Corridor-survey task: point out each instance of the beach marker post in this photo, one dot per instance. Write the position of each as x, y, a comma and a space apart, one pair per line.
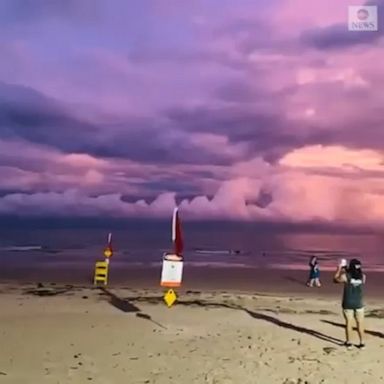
108, 251
170, 297
172, 269
102, 267
101, 272
171, 277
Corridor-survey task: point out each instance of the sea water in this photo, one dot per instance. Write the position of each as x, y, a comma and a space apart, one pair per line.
212, 245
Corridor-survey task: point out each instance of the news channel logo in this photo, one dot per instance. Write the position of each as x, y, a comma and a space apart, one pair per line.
362, 18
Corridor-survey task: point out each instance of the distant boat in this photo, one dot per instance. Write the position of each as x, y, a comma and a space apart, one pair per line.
177, 239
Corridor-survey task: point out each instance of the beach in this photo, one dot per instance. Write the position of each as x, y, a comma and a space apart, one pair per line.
58, 333
244, 317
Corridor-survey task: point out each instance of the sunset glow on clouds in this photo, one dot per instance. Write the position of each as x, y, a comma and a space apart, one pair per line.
264, 111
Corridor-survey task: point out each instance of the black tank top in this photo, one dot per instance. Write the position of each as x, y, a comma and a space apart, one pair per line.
353, 294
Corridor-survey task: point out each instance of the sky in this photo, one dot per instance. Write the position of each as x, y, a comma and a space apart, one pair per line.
254, 110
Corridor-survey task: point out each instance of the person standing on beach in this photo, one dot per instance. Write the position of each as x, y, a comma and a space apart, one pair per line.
353, 279
314, 273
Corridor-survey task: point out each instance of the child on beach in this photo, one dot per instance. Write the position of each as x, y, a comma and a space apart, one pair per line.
353, 279
314, 273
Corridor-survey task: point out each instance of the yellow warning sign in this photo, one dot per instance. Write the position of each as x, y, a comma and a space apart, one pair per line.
107, 253
170, 297
101, 272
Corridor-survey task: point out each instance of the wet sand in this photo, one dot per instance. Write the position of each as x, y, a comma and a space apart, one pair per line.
253, 280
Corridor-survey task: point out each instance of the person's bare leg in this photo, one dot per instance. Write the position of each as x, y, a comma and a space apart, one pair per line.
359, 316
348, 328
318, 284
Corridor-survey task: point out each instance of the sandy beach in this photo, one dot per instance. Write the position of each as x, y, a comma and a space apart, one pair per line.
55, 333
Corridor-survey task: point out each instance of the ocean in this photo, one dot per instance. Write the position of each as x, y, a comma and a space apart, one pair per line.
207, 245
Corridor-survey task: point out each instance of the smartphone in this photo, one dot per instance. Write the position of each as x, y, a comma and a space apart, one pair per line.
343, 263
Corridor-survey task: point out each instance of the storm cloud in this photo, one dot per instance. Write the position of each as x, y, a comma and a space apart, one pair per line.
264, 111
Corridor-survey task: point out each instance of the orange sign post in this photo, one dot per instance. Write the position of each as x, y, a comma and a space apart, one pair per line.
108, 251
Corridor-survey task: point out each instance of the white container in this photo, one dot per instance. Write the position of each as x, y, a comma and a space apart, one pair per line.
172, 272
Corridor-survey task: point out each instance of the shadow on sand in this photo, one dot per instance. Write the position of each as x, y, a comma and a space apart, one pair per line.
340, 325
43, 290
307, 331
126, 306
121, 304
295, 280
255, 315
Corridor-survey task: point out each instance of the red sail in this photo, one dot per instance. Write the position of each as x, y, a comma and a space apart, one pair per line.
177, 237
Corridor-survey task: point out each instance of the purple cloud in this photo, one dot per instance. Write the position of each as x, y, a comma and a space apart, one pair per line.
128, 108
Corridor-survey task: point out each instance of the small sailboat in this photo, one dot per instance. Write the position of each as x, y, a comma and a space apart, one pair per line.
177, 239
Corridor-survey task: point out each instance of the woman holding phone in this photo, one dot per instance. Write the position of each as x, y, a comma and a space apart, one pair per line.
353, 279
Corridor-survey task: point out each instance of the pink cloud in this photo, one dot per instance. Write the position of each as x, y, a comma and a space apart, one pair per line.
301, 184
14, 178
334, 157
298, 196
295, 15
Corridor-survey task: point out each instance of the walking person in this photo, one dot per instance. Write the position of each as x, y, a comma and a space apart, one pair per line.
314, 273
353, 279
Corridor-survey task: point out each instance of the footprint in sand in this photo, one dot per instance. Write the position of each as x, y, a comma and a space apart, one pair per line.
55, 369
83, 367
329, 350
